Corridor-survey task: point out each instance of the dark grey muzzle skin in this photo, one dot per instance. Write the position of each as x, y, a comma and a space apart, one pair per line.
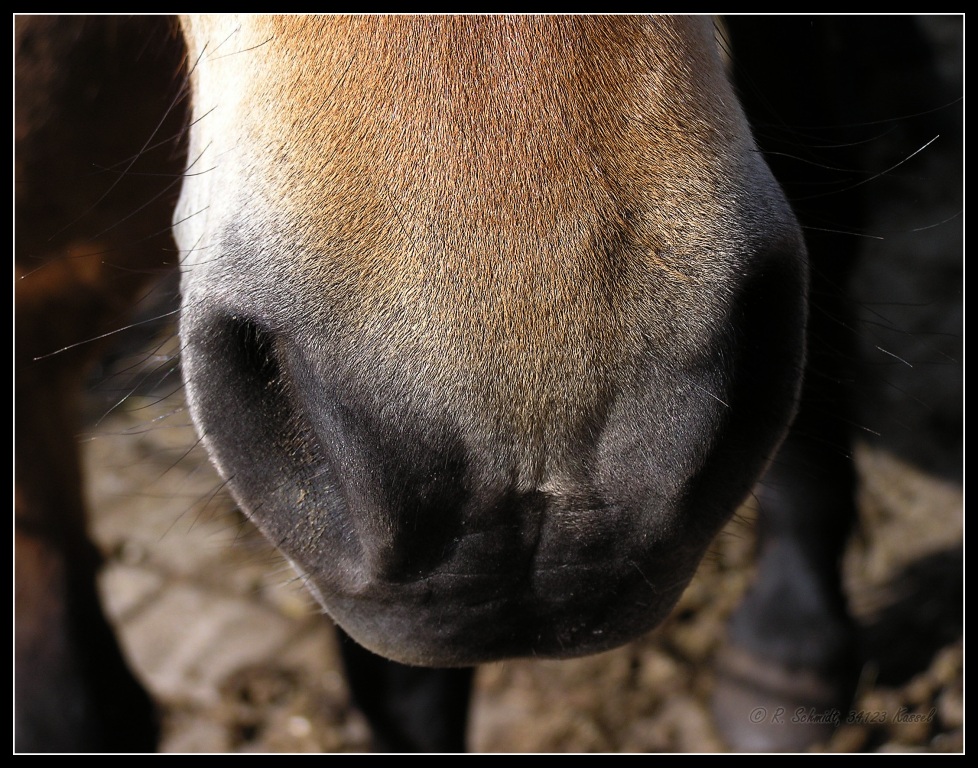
486, 425
411, 524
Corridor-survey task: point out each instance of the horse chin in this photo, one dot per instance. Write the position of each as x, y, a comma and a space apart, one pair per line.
453, 635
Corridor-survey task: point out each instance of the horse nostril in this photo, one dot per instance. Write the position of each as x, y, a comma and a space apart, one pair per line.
251, 349
242, 397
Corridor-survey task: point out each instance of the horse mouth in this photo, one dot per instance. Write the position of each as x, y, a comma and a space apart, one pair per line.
451, 618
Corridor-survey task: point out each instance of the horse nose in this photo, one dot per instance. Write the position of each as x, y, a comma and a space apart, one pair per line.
412, 503
491, 384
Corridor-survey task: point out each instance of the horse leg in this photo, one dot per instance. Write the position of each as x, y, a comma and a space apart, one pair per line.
94, 202
788, 674
410, 709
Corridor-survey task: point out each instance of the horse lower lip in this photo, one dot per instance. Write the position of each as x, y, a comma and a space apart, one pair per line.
450, 619
488, 633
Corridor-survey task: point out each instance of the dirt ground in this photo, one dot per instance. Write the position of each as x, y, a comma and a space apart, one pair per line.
241, 660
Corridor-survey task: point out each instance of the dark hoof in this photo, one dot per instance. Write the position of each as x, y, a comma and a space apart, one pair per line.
763, 706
